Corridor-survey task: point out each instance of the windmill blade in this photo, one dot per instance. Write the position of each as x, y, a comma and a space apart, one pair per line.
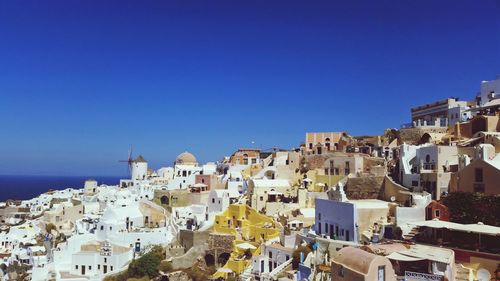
130, 154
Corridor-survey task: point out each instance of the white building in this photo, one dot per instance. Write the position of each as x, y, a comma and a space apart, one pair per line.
139, 169
95, 259
490, 90
220, 199
427, 167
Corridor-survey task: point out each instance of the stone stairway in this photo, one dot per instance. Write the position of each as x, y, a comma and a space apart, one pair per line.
273, 275
414, 231
247, 274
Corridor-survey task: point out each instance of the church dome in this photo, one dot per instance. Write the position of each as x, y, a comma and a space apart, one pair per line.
186, 158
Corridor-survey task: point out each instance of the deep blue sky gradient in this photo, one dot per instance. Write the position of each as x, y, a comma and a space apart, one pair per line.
80, 81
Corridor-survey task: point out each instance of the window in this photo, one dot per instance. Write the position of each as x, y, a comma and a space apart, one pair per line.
310, 145
414, 183
270, 254
98, 267
427, 158
478, 175
262, 198
437, 213
90, 267
76, 266
105, 260
213, 200
111, 268
102, 227
319, 216
381, 273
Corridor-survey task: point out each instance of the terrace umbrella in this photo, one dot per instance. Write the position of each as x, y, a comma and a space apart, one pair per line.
246, 246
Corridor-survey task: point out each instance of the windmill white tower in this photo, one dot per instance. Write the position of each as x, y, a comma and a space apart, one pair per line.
139, 168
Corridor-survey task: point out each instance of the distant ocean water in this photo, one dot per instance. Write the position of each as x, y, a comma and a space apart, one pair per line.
27, 187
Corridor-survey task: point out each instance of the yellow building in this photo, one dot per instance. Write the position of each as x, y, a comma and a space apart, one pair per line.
242, 221
250, 229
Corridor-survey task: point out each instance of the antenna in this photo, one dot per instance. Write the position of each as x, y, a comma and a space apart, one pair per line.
129, 160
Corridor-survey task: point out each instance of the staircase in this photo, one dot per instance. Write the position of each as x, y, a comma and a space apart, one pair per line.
273, 275
247, 274
413, 232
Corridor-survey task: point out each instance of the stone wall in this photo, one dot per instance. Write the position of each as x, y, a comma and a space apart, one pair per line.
316, 161
413, 135
189, 238
370, 187
219, 244
189, 258
178, 276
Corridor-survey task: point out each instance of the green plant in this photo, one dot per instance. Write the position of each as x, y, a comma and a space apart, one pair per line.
466, 207
165, 266
145, 265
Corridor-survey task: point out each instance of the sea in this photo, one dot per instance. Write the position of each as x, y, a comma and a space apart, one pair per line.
27, 187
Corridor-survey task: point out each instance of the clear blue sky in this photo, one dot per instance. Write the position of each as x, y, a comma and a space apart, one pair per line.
80, 81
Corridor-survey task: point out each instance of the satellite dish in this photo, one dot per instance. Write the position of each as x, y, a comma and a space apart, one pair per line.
483, 275
393, 198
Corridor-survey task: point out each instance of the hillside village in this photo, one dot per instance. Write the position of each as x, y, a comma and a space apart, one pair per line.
420, 202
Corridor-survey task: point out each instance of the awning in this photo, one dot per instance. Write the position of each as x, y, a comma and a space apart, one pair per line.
225, 270
246, 246
399, 257
478, 228
199, 185
469, 141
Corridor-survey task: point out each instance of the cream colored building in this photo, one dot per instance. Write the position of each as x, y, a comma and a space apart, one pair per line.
353, 264
64, 215
319, 143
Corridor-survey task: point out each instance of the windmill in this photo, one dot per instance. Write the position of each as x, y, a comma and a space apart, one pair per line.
129, 160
